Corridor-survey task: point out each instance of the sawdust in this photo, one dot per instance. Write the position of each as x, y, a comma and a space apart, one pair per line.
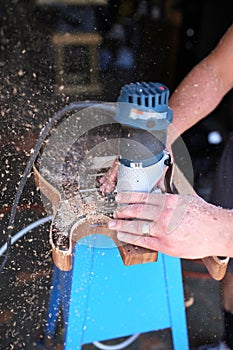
72, 173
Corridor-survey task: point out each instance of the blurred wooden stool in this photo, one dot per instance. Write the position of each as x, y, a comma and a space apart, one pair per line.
76, 63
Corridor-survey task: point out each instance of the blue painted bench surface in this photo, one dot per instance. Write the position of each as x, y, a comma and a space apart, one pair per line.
103, 299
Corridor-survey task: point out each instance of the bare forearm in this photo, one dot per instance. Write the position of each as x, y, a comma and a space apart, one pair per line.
213, 224
203, 88
196, 97
225, 232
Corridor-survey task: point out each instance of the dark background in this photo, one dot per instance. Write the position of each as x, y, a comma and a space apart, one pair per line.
162, 40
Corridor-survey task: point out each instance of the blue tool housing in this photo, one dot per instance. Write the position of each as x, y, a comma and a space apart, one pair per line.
144, 105
144, 116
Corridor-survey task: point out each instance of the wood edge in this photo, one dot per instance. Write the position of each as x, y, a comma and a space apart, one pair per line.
49, 191
130, 254
216, 268
62, 260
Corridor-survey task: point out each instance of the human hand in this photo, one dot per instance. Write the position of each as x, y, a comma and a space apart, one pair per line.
165, 183
108, 181
184, 226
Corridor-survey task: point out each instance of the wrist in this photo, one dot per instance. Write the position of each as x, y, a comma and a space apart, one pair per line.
224, 226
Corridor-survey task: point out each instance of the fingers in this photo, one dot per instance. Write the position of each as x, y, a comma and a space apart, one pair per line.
141, 241
140, 197
107, 187
161, 184
165, 213
136, 227
139, 211
108, 181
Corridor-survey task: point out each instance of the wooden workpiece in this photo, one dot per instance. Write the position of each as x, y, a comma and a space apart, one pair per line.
130, 254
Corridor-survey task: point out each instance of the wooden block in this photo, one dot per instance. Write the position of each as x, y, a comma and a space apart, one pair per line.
131, 255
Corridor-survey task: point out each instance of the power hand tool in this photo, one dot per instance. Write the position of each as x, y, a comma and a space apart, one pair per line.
137, 124
144, 115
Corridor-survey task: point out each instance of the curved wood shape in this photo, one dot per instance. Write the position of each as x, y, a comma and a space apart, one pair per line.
216, 267
130, 254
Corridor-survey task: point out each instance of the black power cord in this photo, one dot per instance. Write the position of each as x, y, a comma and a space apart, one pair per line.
44, 133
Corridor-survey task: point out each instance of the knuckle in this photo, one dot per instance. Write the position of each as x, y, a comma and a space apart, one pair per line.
138, 209
133, 226
153, 228
138, 226
143, 197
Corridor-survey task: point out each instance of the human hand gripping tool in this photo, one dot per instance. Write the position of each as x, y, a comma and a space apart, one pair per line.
141, 117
